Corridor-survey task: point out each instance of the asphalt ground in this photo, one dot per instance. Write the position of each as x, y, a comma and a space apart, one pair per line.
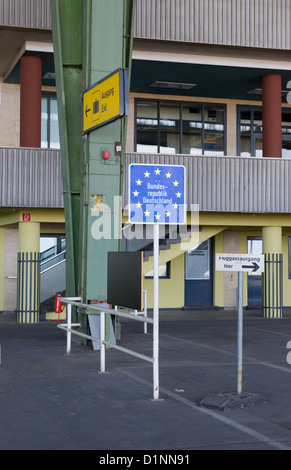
53, 401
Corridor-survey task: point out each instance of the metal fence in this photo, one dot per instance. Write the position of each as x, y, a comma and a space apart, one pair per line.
102, 311
272, 282
28, 292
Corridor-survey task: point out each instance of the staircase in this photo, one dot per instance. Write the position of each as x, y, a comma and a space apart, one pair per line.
170, 248
52, 276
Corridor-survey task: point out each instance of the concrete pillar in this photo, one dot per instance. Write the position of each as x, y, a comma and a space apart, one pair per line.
273, 274
272, 115
30, 101
28, 286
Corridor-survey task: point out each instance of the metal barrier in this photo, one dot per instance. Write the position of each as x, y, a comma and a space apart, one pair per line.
138, 316
28, 281
273, 285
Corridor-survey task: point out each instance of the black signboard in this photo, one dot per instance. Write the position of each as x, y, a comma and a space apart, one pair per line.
125, 279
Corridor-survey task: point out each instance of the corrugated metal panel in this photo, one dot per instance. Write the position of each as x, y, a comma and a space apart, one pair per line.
33, 14
228, 184
248, 23
30, 178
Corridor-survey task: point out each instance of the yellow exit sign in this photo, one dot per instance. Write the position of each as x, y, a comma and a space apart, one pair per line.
105, 101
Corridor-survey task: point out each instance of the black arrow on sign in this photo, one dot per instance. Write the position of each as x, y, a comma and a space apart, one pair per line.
87, 110
254, 266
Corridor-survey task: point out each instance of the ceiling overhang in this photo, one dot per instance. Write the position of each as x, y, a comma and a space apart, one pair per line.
41, 49
226, 73
216, 72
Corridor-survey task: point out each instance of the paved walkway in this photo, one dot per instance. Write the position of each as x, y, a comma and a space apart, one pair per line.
53, 401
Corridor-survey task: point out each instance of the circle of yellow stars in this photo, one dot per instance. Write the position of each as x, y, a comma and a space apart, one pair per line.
139, 183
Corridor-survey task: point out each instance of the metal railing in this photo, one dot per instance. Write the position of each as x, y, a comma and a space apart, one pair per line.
102, 311
28, 280
227, 183
30, 177
272, 283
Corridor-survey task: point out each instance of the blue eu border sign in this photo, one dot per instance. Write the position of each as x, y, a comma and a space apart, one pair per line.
157, 194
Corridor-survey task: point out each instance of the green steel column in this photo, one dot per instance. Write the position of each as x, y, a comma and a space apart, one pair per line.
92, 38
67, 26
108, 47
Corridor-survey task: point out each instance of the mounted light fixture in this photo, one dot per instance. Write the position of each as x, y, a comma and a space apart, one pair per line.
258, 91
49, 76
255, 91
175, 85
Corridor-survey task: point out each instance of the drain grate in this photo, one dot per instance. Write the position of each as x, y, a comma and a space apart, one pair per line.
231, 400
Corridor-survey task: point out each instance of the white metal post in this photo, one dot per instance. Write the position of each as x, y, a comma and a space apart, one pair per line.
145, 309
156, 314
240, 332
102, 339
69, 326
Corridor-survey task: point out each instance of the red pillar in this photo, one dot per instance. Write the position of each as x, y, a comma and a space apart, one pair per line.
272, 115
30, 101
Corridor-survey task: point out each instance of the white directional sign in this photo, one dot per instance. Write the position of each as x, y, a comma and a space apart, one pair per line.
244, 263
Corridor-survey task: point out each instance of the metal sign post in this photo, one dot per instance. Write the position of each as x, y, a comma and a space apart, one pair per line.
156, 315
240, 331
240, 263
157, 196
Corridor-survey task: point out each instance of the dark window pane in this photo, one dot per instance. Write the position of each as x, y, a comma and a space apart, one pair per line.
54, 125
44, 123
147, 127
169, 128
245, 133
213, 130
192, 129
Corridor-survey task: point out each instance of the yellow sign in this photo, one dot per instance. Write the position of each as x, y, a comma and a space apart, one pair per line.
105, 101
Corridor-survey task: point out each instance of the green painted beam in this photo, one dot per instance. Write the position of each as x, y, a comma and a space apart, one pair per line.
92, 38
108, 46
67, 26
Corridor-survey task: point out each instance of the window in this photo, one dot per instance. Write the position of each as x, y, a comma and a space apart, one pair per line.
198, 262
172, 127
49, 122
250, 125
51, 245
164, 272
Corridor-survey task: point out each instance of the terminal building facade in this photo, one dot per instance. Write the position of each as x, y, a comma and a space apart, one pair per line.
209, 90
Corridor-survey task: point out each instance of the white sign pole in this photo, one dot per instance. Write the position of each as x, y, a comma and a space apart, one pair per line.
156, 314
157, 195
240, 332
239, 263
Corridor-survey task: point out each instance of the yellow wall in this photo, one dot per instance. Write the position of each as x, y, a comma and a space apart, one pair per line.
15, 236
171, 291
